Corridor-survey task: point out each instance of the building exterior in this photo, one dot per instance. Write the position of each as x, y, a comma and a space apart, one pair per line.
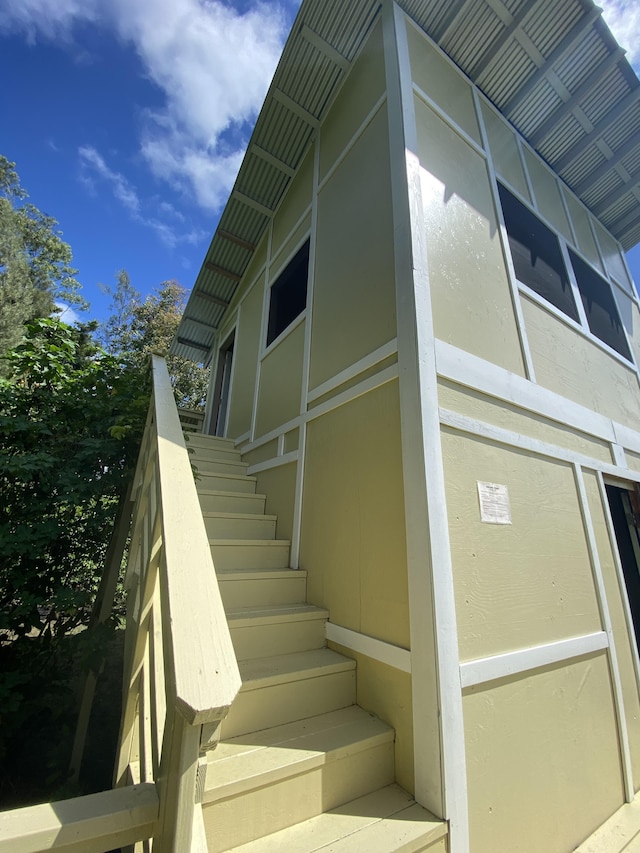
425, 342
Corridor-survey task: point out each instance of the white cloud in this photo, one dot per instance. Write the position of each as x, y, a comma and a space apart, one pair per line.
213, 63
94, 169
623, 19
67, 314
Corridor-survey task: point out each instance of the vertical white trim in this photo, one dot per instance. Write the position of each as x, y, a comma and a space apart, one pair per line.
306, 362
208, 406
504, 243
603, 606
573, 283
263, 330
619, 456
437, 715
622, 586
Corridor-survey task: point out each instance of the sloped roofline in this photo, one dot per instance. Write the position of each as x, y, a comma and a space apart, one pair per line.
551, 67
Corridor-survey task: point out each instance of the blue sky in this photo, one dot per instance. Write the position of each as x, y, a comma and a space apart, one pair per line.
127, 120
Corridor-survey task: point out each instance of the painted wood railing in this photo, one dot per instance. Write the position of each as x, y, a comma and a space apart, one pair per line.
181, 674
180, 671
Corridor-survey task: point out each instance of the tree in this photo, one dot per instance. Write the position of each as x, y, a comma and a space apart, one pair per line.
71, 419
35, 262
137, 328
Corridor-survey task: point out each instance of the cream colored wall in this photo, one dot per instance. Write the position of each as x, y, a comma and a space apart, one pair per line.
245, 356
353, 539
296, 202
354, 308
364, 86
543, 765
570, 364
280, 387
386, 692
470, 293
473, 404
279, 485
540, 745
523, 584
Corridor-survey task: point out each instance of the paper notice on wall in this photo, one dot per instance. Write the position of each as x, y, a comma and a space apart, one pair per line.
494, 503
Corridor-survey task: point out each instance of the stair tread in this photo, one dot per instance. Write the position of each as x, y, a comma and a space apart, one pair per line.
279, 669
280, 543
227, 475
259, 574
253, 760
221, 493
251, 516
275, 613
386, 820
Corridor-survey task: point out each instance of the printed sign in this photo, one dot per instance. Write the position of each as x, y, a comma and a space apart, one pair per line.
494, 503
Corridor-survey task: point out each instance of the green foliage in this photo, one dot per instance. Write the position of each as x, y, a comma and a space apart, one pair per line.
137, 328
71, 419
35, 262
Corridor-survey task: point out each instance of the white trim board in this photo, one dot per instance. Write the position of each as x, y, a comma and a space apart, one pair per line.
369, 361
484, 670
275, 462
468, 370
379, 650
462, 423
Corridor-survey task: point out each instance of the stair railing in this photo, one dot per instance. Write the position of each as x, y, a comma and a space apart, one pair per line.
180, 670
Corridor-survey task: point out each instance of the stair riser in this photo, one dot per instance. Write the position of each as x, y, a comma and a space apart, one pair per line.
199, 440
279, 638
246, 593
247, 556
296, 798
224, 483
240, 528
215, 466
274, 705
201, 454
233, 503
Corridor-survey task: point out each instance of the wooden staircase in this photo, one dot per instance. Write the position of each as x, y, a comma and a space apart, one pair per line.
300, 766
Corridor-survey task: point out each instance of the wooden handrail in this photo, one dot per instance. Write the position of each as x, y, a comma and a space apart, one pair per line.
181, 674
94, 823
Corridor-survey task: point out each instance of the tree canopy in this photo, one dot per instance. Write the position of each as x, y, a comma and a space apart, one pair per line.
138, 327
35, 262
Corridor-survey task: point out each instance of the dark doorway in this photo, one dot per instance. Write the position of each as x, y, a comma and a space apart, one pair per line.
222, 387
625, 512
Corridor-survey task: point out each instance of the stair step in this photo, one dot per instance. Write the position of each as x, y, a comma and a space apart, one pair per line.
220, 501
289, 773
223, 454
208, 481
236, 525
385, 821
284, 688
250, 553
199, 439
262, 586
269, 630
218, 466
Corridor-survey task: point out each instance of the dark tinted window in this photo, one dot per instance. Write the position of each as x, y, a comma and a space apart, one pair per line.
288, 297
600, 306
536, 255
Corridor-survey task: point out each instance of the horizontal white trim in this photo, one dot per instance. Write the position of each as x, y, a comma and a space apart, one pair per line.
275, 343
461, 423
448, 120
375, 109
386, 653
354, 369
523, 660
468, 370
276, 462
368, 384
628, 438
273, 434
244, 437
586, 333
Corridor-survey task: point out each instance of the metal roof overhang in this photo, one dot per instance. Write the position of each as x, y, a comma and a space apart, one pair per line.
551, 67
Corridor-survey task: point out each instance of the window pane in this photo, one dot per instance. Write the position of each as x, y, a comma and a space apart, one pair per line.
288, 297
600, 307
536, 255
